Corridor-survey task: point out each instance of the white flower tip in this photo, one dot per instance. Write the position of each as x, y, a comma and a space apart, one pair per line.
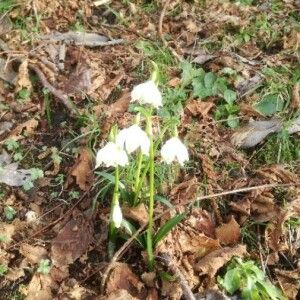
147, 93
117, 215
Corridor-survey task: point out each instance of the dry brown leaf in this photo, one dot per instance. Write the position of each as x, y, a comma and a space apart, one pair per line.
118, 295
7, 231
198, 107
122, 278
40, 287
22, 80
174, 82
34, 254
229, 234
138, 213
293, 42
289, 282
121, 105
212, 262
72, 240
295, 98
82, 170
16, 133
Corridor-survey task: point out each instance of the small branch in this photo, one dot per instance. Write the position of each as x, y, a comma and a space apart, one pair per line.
160, 32
62, 97
123, 249
168, 262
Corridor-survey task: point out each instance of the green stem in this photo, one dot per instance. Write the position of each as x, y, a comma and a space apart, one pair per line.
156, 144
137, 178
112, 228
151, 196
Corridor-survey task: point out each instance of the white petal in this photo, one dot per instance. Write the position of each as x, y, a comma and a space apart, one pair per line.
147, 93
111, 156
117, 215
174, 149
132, 138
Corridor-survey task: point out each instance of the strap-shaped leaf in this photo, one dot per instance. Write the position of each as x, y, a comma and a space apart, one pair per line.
161, 233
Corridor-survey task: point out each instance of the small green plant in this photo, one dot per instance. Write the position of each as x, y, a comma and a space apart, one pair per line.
9, 212
11, 144
249, 280
36, 173
209, 85
3, 269
74, 194
44, 266
23, 95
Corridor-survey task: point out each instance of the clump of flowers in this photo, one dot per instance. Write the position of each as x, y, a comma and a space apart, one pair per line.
137, 143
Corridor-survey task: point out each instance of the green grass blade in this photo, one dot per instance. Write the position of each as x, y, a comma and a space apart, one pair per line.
161, 233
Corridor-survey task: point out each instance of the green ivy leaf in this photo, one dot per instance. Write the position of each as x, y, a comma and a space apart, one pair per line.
209, 80
269, 105
232, 281
233, 121
230, 96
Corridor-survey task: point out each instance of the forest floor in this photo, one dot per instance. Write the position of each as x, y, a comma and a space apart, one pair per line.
229, 75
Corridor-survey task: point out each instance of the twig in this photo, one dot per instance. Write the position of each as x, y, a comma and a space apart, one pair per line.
160, 32
49, 225
122, 250
168, 262
62, 97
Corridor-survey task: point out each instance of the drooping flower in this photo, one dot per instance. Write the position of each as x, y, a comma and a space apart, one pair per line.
111, 155
174, 149
133, 138
147, 93
116, 216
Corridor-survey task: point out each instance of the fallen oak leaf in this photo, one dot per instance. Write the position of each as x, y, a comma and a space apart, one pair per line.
82, 170
16, 133
229, 233
212, 262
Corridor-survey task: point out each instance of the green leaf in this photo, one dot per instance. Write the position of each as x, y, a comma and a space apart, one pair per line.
111, 179
131, 230
209, 80
24, 93
163, 200
161, 233
44, 266
36, 173
230, 96
270, 104
9, 212
232, 108
232, 281
3, 269
166, 276
233, 121
272, 291
220, 86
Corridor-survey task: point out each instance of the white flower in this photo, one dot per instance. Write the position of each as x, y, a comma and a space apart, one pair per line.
116, 215
132, 138
147, 93
174, 149
111, 155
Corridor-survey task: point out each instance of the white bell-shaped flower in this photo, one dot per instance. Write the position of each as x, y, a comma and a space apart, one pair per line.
116, 216
147, 93
173, 150
111, 155
133, 138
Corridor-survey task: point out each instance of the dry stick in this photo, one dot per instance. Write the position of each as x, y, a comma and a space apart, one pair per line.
62, 97
51, 224
160, 32
168, 262
122, 250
